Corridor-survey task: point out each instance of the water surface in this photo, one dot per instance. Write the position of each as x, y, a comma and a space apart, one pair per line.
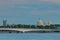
30, 36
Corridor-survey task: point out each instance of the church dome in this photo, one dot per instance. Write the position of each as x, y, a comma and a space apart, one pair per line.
40, 22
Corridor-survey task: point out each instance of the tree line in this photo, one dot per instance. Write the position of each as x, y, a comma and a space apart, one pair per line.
32, 26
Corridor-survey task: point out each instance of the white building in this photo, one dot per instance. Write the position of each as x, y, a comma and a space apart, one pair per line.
49, 23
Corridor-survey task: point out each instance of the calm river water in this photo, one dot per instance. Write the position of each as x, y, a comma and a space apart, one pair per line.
30, 36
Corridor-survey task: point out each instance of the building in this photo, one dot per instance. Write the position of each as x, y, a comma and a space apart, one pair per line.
40, 23
48, 23
4, 22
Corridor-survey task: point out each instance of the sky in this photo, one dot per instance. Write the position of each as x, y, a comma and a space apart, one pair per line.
29, 11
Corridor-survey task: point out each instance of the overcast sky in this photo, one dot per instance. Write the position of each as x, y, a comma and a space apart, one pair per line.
29, 11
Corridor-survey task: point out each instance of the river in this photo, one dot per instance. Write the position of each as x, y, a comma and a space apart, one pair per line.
29, 36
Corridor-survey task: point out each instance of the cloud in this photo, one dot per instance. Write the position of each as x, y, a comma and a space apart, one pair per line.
26, 1
54, 1
21, 7
32, 1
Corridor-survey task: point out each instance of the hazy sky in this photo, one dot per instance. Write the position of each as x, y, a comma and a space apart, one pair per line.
29, 11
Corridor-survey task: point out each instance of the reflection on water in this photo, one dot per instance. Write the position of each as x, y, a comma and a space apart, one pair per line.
30, 36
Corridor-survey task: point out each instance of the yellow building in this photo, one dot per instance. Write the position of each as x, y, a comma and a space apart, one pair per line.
40, 23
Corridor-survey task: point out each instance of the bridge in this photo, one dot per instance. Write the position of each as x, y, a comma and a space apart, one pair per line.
29, 30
